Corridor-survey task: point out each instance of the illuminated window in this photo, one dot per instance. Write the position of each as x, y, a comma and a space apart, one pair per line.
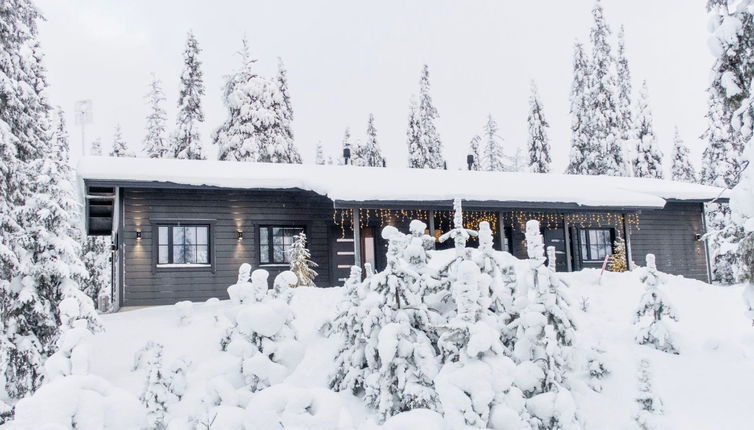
274, 243
596, 244
182, 244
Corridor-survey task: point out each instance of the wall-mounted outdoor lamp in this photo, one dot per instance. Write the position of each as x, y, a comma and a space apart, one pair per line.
138, 235
239, 235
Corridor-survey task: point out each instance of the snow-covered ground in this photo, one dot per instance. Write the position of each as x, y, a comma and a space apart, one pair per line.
703, 387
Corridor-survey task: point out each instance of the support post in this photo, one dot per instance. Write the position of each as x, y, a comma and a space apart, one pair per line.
501, 231
567, 231
627, 239
431, 223
356, 237
706, 244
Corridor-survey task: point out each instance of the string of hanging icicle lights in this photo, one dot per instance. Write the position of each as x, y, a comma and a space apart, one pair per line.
516, 220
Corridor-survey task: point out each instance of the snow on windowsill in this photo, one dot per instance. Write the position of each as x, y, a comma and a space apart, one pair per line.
182, 266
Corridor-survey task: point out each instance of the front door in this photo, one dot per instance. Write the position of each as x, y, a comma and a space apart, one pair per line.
556, 238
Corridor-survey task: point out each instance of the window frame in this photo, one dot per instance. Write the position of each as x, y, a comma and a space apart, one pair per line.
182, 267
270, 248
586, 244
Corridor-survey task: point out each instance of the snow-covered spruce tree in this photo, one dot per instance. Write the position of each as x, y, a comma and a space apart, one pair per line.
350, 361
417, 153
186, 141
95, 255
654, 308
682, 169
584, 156
625, 105
370, 153
602, 106
291, 153
156, 393
238, 139
474, 153
429, 152
742, 206
539, 144
544, 331
648, 158
155, 143
400, 355
459, 233
319, 155
492, 149
96, 147
301, 262
120, 147
28, 316
648, 403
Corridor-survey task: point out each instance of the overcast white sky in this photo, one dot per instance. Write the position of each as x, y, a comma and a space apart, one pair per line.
348, 58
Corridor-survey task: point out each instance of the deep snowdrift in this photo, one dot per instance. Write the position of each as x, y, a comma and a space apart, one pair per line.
705, 386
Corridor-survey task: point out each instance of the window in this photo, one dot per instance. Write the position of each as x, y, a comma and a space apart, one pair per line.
596, 244
274, 243
183, 245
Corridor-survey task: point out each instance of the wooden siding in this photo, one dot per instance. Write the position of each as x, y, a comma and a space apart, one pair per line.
227, 211
670, 234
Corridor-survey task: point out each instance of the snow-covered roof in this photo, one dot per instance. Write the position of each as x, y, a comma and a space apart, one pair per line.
378, 184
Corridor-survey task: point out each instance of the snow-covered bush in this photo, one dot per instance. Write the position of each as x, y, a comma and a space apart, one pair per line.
649, 404
163, 386
653, 310
185, 310
301, 263
281, 287
262, 336
242, 290
97, 282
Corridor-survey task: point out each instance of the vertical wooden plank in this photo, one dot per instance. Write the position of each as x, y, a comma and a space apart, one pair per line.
627, 237
356, 238
501, 231
431, 223
706, 246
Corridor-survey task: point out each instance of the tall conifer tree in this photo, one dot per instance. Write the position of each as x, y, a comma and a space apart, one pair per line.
120, 147
492, 149
648, 158
625, 107
584, 154
186, 142
682, 170
291, 154
425, 147
539, 144
155, 142
370, 153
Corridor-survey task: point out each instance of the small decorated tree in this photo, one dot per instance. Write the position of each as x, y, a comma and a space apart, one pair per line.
301, 263
618, 261
653, 311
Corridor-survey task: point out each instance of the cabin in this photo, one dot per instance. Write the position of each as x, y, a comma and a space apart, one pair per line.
180, 229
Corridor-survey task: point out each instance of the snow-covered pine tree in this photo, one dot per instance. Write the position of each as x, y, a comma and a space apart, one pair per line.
429, 137
539, 144
729, 110
24, 135
418, 154
370, 153
602, 105
625, 105
120, 147
186, 141
654, 308
319, 155
350, 361
96, 259
492, 150
291, 153
401, 357
682, 170
648, 158
155, 143
156, 393
238, 138
648, 403
301, 263
544, 332
474, 152
584, 155
96, 147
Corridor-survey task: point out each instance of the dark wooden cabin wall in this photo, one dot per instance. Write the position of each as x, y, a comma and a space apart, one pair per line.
670, 234
231, 211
